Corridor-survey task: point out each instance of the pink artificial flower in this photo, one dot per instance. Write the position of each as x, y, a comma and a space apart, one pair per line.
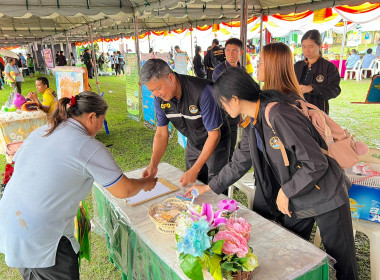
239, 225
215, 219
228, 204
234, 243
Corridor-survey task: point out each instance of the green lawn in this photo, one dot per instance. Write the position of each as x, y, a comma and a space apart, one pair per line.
132, 146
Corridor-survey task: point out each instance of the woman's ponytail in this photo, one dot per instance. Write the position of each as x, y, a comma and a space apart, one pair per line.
85, 102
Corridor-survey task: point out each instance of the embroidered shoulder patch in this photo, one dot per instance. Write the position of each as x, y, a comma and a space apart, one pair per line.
193, 109
319, 78
275, 143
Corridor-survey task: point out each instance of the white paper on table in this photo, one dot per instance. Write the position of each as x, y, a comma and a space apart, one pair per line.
158, 190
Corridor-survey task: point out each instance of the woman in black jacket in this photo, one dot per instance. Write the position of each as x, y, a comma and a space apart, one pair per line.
319, 79
199, 68
311, 187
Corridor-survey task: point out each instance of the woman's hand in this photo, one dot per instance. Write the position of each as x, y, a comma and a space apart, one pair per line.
201, 189
283, 203
148, 183
306, 89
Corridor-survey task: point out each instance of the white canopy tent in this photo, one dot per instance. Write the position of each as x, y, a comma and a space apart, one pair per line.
26, 21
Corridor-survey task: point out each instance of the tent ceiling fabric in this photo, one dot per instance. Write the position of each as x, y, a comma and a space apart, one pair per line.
26, 21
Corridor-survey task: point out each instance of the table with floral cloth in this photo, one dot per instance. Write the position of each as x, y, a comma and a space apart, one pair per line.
17, 126
141, 252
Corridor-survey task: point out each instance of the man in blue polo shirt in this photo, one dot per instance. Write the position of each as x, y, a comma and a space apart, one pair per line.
233, 50
188, 103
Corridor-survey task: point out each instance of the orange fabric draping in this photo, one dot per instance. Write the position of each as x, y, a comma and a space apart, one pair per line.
215, 27
10, 48
293, 16
323, 15
204, 27
142, 36
364, 8
179, 31
236, 23
158, 33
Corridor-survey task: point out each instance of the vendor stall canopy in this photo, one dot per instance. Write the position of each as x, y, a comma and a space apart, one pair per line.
26, 21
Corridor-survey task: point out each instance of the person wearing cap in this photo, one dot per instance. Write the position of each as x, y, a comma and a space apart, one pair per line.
49, 97
187, 102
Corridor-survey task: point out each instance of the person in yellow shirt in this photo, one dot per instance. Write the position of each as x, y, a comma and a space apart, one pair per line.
49, 97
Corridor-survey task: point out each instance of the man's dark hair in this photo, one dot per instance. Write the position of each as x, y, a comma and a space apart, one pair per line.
43, 80
61, 52
234, 41
216, 42
369, 51
154, 68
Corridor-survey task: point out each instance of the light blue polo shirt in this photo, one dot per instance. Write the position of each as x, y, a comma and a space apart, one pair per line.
52, 175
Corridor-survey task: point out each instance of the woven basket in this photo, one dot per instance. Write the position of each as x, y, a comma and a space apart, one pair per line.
241, 275
166, 228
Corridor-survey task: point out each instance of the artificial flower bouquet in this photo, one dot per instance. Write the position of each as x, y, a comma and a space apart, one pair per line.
214, 241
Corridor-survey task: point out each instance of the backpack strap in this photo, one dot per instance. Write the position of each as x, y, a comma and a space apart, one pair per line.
282, 147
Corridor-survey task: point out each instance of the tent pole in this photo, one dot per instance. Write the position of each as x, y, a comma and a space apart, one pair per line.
43, 57
149, 39
261, 31
191, 46
35, 53
68, 55
52, 50
94, 57
137, 45
343, 44
243, 30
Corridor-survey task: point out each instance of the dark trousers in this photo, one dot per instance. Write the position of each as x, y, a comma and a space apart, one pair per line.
336, 232
213, 165
90, 70
65, 268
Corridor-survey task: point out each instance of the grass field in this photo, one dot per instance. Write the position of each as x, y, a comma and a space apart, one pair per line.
132, 146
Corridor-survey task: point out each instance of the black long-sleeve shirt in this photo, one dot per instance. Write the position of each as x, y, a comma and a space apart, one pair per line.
325, 82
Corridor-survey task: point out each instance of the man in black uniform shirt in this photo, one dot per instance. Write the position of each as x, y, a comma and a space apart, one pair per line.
188, 103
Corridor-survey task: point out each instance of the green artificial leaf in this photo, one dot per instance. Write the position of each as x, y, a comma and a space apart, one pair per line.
191, 267
217, 247
204, 260
176, 238
181, 256
229, 266
215, 268
242, 260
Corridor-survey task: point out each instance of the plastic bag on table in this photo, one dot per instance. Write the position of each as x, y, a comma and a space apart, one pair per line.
82, 232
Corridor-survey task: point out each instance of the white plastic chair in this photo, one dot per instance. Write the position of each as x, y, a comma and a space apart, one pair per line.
371, 67
247, 185
355, 70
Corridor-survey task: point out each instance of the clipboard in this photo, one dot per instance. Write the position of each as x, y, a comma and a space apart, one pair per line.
147, 196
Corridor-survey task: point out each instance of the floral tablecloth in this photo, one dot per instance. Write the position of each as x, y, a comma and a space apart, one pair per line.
141, 252
17, 126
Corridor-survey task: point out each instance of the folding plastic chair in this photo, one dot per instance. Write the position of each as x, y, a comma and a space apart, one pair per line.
355, 69
371, 67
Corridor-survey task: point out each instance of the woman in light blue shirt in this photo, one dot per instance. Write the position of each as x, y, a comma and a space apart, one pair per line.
352, 59
54, 170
